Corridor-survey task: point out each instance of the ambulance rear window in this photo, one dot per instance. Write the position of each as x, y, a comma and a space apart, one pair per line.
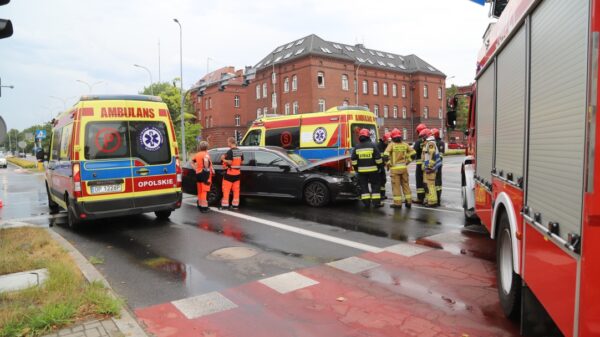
106, 140
150, 142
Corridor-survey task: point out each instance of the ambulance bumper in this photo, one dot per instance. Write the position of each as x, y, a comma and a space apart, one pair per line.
126, 206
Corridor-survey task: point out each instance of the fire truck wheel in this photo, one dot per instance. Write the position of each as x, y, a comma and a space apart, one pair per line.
509, 283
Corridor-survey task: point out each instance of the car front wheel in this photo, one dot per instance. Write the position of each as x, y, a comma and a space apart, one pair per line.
316, 194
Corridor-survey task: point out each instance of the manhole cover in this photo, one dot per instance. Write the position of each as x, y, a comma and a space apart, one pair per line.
232, 253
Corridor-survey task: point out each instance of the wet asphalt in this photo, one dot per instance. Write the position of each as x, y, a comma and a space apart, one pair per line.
149, 261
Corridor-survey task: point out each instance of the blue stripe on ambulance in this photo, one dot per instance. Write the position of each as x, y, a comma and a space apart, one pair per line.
318, 154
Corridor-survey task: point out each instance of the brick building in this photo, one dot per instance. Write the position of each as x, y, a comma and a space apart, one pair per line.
311, 75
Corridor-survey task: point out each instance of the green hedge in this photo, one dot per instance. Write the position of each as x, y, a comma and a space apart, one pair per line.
454, 152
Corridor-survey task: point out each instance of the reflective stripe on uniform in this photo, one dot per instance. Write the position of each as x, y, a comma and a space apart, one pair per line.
366, 169
382, 189
378, 161
355, 162
398, 198
419, 162
376, 196
420, 190
438, 188
365, 196
398, 167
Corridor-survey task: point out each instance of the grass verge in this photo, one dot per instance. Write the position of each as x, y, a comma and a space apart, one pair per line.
65, 298
454, 152
24, 163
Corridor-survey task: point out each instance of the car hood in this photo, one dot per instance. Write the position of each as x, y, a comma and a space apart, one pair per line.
324, 162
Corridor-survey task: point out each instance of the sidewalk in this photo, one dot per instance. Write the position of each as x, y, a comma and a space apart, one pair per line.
105, 328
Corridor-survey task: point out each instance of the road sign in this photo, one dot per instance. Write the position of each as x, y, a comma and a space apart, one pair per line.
40, 134
29, 136
22, 144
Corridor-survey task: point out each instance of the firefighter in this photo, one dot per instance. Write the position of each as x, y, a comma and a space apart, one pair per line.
431, 162
232, 161
441, 145
204, 172
381, 146
367, 161
418, 146
399, 154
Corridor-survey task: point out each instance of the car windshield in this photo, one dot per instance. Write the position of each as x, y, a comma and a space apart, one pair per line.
300, 161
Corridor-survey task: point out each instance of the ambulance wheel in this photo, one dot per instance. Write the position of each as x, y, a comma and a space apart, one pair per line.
163, 215
72, 220
509, 283
54, 208
316, 194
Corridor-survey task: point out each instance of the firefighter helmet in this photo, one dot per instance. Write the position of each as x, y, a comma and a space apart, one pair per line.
421, 127
425, 133
386, 136
435, 132
364, 133
396, 133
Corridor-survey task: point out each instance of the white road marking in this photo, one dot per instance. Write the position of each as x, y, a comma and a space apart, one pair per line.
353, 265
288, 282
407, 250
202, 305
35, 218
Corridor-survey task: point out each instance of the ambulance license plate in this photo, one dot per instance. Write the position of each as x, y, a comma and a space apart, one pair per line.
100, 189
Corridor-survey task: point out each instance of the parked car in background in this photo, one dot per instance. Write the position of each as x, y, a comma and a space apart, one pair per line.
275, 172
22, 155
456, 146
3, 162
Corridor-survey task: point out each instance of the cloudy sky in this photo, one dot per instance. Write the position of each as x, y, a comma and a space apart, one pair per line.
58, 42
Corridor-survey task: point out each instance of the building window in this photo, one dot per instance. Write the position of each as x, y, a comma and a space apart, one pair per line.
439, 92
385, 111
287, 109
395, 111
426, 112
321, 79
273, 101
440, 112
404, 133
206, 122
345, 103
367, 106
273, 78
345, 82
238, 120
210, 123
385, 89
294, 83
376, 110
236, 101
258, 91
403, 112
206, 103
286, 85
321, 105
258, 113
210, 102
403, 91
295, 108
375, 88
425, 91
265, 111
365, 87
264, 94
395, 90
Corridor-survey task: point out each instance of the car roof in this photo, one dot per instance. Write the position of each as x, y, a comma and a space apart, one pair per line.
253, 148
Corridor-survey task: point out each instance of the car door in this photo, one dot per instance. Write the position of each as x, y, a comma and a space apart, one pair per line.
275, 175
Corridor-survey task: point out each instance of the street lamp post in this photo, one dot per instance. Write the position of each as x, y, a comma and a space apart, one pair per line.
64, 101
90, 86
149, 74
181, 115
5, 86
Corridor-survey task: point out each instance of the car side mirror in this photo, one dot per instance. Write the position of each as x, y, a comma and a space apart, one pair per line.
285, 167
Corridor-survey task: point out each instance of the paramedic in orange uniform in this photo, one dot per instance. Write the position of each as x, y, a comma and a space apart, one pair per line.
232, 161
204, 172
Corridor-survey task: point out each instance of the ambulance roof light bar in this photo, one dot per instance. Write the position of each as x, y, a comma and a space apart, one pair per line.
146, 98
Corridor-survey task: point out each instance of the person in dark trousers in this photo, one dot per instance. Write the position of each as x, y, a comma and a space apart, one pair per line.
381, 146
367, 162
441, 145
418, 148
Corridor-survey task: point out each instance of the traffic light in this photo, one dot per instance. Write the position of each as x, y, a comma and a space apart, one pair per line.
6, 28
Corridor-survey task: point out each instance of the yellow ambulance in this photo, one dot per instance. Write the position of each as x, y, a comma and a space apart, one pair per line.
314, 136
113, 155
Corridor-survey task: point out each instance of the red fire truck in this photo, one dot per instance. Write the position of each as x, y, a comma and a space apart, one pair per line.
530, 174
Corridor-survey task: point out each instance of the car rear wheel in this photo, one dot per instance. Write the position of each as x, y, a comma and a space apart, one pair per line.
163, 215
54, 208
509, 283
316, 194
214, 195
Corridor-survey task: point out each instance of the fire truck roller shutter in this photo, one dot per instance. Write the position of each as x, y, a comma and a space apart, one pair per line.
485, 124
557, 112
510, 115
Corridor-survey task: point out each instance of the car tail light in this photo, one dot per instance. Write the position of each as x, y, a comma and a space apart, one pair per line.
178, 171
76, 181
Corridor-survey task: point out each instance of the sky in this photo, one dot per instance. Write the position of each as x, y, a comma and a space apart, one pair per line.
56, 44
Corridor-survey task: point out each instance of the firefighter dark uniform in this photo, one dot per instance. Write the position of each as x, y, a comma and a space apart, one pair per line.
367, 162
418, 147
232, 161
381, 146
431, 164
441, 146
399, 154
204, 173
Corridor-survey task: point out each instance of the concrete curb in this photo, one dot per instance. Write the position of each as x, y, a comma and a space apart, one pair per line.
127, 324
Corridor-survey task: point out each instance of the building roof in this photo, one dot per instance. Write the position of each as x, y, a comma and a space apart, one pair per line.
314, 45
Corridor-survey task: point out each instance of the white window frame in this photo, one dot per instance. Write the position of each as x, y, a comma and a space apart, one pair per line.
294, 82
394, 90
345, 82
238, 120
286, 109
440, 112
440, 93
425, 91
386, 111
404, 112
376, 110
274, 100
375, 88
258, 113
395, 111
236, 101
258, 91
345, 103
404, 91
385, 88
365, 87
295, 108
286, 84
265, 111
321, 75
273, 77
321, 105
426, 112
264, 90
